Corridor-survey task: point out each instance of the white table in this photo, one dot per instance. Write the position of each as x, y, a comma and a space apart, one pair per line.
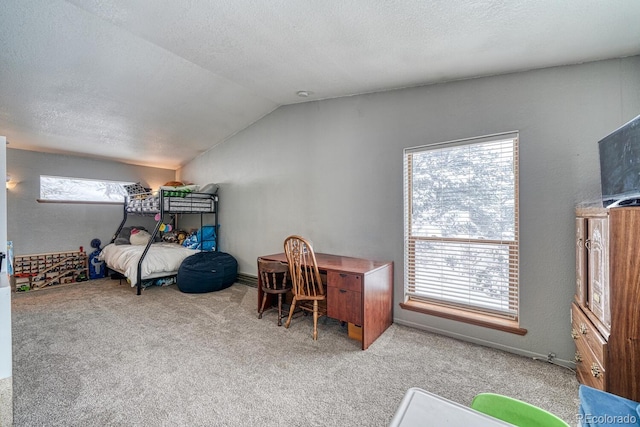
419, 408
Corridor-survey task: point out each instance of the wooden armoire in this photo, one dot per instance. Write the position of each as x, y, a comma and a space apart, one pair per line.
605, 315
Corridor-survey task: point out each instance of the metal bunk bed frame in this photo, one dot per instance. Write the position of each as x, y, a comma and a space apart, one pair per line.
183, 204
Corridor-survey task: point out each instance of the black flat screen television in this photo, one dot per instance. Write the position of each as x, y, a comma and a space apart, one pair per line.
620, 165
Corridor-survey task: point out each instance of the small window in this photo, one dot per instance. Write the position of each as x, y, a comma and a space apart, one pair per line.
80, 190
461, 227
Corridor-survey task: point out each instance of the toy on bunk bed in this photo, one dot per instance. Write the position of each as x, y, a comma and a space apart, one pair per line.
175, 236
139, 237
203, 239
96, 266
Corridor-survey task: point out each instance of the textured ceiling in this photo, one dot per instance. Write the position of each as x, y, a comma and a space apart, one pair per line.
156, 82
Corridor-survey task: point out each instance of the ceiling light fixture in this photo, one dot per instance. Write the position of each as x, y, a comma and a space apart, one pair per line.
303, 93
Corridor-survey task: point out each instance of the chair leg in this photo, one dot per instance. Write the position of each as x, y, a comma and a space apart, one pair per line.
279, 309
264, 300
315, 319
293, 307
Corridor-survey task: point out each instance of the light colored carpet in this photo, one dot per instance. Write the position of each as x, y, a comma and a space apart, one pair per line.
95, 354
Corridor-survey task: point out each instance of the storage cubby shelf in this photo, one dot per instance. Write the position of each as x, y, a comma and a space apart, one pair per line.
38, 271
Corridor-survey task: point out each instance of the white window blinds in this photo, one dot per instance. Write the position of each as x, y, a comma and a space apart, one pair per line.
461, 224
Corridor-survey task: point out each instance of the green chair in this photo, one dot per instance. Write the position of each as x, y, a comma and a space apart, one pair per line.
515, 411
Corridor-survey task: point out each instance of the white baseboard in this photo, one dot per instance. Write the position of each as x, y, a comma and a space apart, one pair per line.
536, 356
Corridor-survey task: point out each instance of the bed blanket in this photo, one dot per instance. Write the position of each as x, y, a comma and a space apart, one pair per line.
162, 259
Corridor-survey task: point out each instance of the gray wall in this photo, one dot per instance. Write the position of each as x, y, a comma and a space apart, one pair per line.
332, 171
53, 227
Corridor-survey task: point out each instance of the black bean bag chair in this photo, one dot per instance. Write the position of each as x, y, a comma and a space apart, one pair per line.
207, 272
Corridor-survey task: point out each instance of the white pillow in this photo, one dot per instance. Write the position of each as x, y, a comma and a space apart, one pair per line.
209, 189
139, 237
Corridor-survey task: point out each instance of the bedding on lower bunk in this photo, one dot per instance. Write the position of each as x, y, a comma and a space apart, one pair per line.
163, 259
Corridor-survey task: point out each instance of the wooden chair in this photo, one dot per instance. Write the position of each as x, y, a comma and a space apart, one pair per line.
308, 289
273, 276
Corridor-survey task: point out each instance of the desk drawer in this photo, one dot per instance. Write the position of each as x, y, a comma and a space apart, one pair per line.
344, 297
347, 281
344, 305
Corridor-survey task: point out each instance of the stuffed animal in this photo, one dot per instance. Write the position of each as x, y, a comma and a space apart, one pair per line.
174, 236
139, 237
170, 237
182, 235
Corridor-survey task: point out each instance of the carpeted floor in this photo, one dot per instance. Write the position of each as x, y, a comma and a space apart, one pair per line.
95, 354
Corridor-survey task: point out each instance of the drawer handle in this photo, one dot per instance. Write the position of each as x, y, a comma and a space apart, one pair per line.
574, 334
343, 291
343, 275
595, 370
587, 244
577, 357
583, 329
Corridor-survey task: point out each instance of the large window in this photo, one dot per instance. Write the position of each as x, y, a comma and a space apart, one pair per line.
79, 190
461, 226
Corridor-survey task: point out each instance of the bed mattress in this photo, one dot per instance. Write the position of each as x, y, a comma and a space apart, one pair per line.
163, 259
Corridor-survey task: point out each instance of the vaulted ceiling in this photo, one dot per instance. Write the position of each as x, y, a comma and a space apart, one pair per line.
156, 82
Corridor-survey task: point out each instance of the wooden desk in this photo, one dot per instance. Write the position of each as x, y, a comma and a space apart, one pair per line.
359, 291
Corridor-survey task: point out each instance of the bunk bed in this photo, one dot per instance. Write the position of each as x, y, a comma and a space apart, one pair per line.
158, 259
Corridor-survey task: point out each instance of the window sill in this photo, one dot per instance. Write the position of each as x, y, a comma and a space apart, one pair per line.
478, 319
